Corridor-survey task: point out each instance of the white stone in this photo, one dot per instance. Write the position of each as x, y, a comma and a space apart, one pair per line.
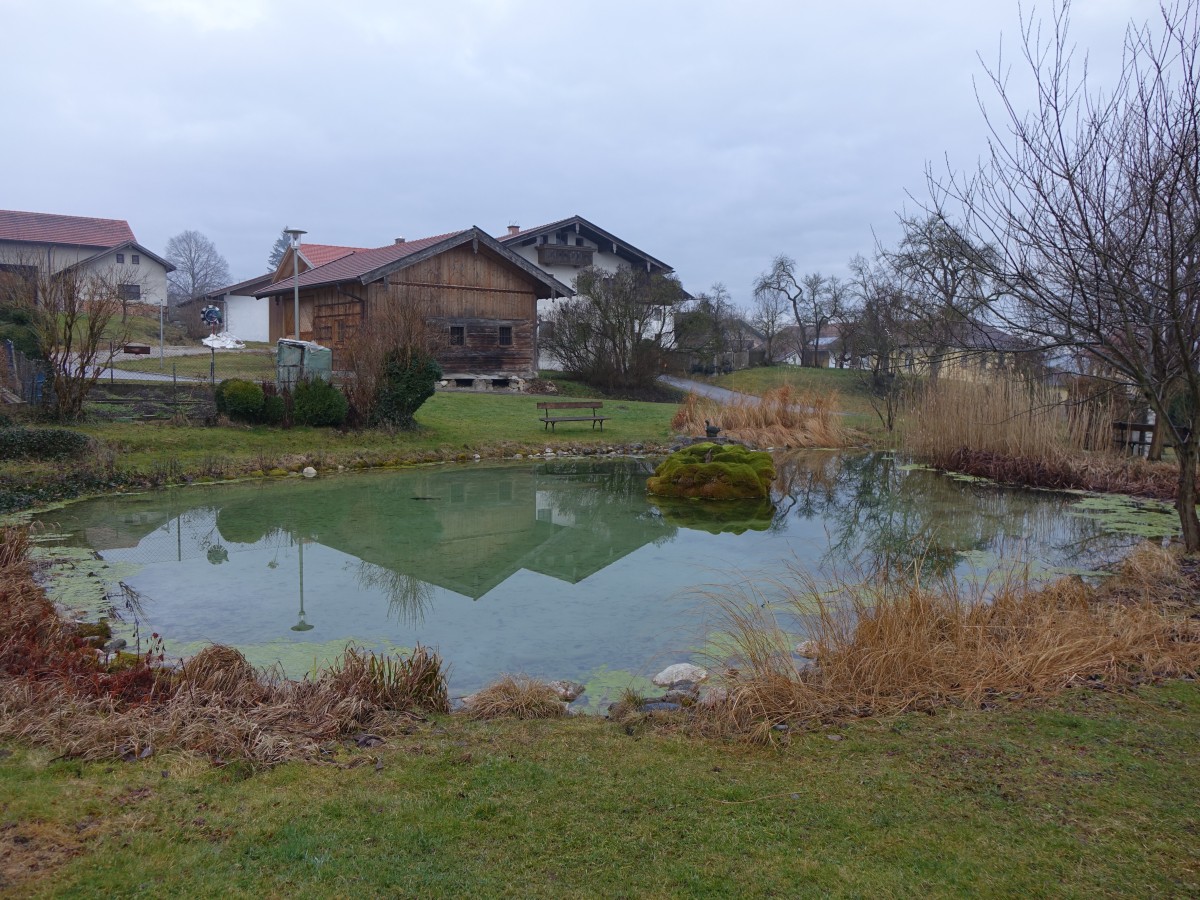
476, 456
713, 696
567, 690
807, 649
672, 675
310, 472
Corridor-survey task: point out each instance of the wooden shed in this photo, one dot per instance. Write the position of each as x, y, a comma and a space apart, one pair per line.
480, 300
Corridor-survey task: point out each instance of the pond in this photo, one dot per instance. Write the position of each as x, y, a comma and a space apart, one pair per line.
560, 568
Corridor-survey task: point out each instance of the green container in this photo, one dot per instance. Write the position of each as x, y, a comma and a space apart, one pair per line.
301, 359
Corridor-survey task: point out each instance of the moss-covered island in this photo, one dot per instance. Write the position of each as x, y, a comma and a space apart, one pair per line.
710, 471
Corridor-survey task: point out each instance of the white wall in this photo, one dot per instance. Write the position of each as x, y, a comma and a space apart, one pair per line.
247, 318
148, 274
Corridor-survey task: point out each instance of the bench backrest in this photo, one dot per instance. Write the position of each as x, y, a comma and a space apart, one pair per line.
574, 404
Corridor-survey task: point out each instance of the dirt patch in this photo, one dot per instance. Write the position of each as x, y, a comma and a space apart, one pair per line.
30, 851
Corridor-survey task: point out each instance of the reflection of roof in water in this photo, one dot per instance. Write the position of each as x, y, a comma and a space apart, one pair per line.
463, 529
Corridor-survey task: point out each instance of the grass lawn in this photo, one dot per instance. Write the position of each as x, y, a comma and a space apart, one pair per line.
452, 425
1091, 795
253, 365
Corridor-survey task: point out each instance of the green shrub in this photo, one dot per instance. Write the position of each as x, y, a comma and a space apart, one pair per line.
714, 472
219, 394
243, 400
408, 381
274, 410
318, 403
42, 443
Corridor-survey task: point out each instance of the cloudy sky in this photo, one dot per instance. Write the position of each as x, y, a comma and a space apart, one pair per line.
713, 135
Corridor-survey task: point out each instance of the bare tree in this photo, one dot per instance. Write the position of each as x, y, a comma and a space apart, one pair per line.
1092, 202
73, 313
199, 268
816, 300
769, 316
708, 327
942, 273
880, 329
613, 334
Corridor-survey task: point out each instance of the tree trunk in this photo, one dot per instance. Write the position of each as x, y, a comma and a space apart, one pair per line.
1158, 438
1186, 500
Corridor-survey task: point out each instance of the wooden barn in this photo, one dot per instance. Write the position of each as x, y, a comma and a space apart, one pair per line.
480, 300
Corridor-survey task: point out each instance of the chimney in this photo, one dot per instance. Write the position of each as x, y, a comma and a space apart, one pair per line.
514, 229
399, 240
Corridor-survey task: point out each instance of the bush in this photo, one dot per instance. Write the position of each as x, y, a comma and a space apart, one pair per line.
243, 400
274, 410
408, 381
42, 443
318, 403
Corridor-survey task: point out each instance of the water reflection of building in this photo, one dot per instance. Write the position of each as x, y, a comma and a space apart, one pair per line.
463, 529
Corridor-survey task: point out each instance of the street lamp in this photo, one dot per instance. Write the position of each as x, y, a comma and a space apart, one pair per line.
294, 234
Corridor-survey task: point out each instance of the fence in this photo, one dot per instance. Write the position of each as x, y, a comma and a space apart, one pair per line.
23, 379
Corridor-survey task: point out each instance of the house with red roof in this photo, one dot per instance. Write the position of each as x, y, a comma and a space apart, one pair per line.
479, 299
44, 243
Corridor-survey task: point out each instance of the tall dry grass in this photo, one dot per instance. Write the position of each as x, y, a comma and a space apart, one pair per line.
782, 417
1012, 416
886, 646
56, 691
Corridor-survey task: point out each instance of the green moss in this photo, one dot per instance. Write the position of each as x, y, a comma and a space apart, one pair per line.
714, 472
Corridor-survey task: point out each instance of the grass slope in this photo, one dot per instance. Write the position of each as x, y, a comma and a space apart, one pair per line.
853, 394
1093, 795
251, 365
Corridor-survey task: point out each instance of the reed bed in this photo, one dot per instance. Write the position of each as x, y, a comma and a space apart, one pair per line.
782, 417
57, 690
889, 645
515, 697
1011, 417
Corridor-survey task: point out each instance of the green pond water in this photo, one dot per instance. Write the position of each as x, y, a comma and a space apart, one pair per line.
560, 568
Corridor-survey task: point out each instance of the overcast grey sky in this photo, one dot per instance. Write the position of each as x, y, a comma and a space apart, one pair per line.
712, 135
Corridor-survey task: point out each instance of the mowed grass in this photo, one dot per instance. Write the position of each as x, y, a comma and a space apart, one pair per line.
452, 423
1093, 795
251, 365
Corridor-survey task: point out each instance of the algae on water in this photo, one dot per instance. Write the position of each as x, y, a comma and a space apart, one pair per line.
1119, 514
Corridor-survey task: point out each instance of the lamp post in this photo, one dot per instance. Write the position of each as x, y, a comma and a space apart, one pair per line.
161, 304
294, 234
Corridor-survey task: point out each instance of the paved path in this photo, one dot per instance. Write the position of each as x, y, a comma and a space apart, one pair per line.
711, 391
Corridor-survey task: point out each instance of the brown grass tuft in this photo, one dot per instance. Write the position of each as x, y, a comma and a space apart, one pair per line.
886, 647
55, 690
516, 697
781, 417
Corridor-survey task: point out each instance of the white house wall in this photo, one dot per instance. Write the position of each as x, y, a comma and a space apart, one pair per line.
247, 318
148, 274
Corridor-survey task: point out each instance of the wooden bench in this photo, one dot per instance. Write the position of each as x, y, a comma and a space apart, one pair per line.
552, 420
137, 349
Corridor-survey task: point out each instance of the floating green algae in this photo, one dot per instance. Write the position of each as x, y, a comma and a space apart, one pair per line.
605, 686
1120, 514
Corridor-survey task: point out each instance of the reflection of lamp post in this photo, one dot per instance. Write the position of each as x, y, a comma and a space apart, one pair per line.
301, 625
294, 234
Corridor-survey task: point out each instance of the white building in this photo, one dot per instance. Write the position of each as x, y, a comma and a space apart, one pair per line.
44, 243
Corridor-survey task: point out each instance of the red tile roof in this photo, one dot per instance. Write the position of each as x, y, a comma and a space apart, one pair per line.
319, 254
45, 228
355, 263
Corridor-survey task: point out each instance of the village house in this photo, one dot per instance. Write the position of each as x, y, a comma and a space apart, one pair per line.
561, 249
33, 244
480, 298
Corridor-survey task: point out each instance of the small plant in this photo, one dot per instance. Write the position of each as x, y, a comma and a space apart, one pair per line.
318, 403
243, 400
516, 697
274, 410
408, 381
43, 443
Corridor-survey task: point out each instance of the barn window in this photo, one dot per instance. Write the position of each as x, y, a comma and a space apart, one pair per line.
120, 257
458, 335
505, 335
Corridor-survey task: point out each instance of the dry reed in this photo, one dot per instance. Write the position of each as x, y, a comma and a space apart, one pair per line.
56, 690
781, 418
893, 645
1013, 417
515, 697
